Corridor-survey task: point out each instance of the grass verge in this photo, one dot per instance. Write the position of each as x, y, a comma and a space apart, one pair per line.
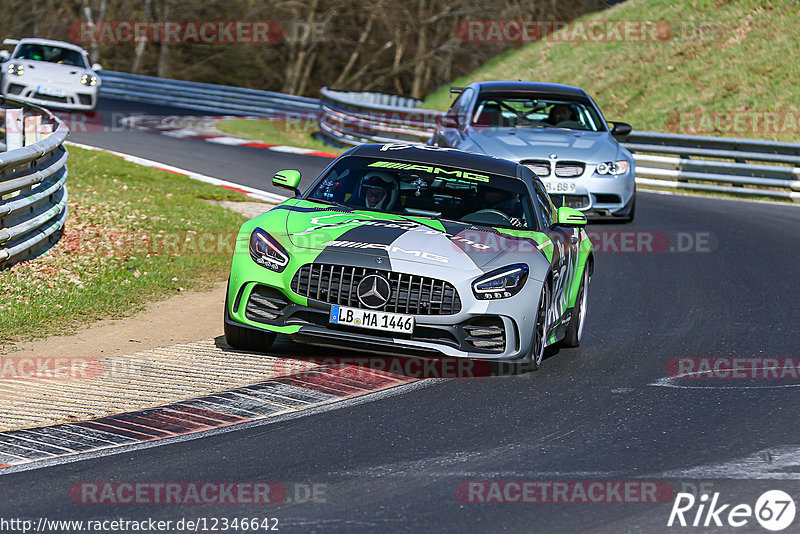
713, 59
278, 132
134, 234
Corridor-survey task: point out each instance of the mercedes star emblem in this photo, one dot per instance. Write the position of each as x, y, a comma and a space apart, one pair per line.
374, 291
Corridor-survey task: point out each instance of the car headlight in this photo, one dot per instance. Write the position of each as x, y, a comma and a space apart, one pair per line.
613, 167
267, 252
16, 68
86, 79
501, 283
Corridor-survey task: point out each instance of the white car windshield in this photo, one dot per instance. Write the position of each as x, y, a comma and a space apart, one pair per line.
50, 54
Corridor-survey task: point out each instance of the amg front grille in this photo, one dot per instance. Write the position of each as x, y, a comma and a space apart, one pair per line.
411, 294
569, 169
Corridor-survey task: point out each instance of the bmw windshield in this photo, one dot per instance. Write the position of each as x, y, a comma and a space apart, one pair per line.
503, 112
426, 190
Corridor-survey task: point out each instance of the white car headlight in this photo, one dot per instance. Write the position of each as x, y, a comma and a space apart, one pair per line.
87, 79
16, 68
613, 167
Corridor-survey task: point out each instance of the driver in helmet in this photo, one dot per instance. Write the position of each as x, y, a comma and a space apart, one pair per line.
378, 190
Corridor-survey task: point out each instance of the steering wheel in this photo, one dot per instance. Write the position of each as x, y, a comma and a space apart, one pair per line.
487, 216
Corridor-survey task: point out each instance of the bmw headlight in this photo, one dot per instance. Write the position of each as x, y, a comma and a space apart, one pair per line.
613, 167
16, 68
267, 252
501, 283
87, 79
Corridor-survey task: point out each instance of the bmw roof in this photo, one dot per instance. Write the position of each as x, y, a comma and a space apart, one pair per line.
441, 156
529, 87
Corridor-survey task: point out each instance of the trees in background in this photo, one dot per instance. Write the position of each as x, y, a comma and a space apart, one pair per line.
407, 47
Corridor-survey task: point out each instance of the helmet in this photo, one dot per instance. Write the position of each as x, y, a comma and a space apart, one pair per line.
382, 189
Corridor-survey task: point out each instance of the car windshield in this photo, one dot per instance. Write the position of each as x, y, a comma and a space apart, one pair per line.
51, 54
426, 190
500, 111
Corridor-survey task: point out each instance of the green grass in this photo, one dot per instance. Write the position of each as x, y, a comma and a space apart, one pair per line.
718, 56
278, 132
134, 234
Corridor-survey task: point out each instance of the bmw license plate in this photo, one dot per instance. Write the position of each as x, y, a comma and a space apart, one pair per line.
50, 91
372, 319
559, 186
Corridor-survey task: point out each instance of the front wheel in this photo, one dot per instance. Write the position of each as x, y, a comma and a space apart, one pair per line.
574, 333
539, 331
247, 339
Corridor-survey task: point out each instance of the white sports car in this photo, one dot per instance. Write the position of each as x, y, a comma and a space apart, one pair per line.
49, 73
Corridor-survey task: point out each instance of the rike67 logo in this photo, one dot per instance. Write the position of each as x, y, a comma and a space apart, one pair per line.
774, 510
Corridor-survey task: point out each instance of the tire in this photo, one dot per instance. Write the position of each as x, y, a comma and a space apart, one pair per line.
574, 333
247, 339
539, 331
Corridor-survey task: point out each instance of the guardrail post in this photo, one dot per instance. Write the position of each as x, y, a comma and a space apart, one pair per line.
13, 122
32, 128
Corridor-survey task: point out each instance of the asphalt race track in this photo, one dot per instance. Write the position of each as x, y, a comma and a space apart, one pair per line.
603, 412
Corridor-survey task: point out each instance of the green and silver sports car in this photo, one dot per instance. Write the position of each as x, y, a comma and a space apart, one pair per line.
402, 249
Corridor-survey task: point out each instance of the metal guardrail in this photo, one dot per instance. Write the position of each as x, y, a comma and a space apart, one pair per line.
745, 167
207, 97
753, 166
33, 194
352, 120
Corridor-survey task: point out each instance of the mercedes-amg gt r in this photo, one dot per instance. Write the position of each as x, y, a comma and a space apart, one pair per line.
405, 249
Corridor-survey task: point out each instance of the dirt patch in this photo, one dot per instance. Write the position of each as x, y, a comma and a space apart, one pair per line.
189, 316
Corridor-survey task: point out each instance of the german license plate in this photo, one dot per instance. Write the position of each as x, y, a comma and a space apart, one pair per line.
559, 186
50, 91
374, 320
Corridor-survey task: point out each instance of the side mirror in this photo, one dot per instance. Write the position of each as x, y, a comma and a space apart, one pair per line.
571, 217
96, 67
289, 179
620, 129
450, 121
4, 55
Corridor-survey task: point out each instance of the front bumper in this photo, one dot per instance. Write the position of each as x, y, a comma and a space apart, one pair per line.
599, 196
481, 330
18, 88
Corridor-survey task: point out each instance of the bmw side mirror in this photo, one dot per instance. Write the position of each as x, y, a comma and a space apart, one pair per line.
571, 217
96, 67
4, 55
289, 179
621, 129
